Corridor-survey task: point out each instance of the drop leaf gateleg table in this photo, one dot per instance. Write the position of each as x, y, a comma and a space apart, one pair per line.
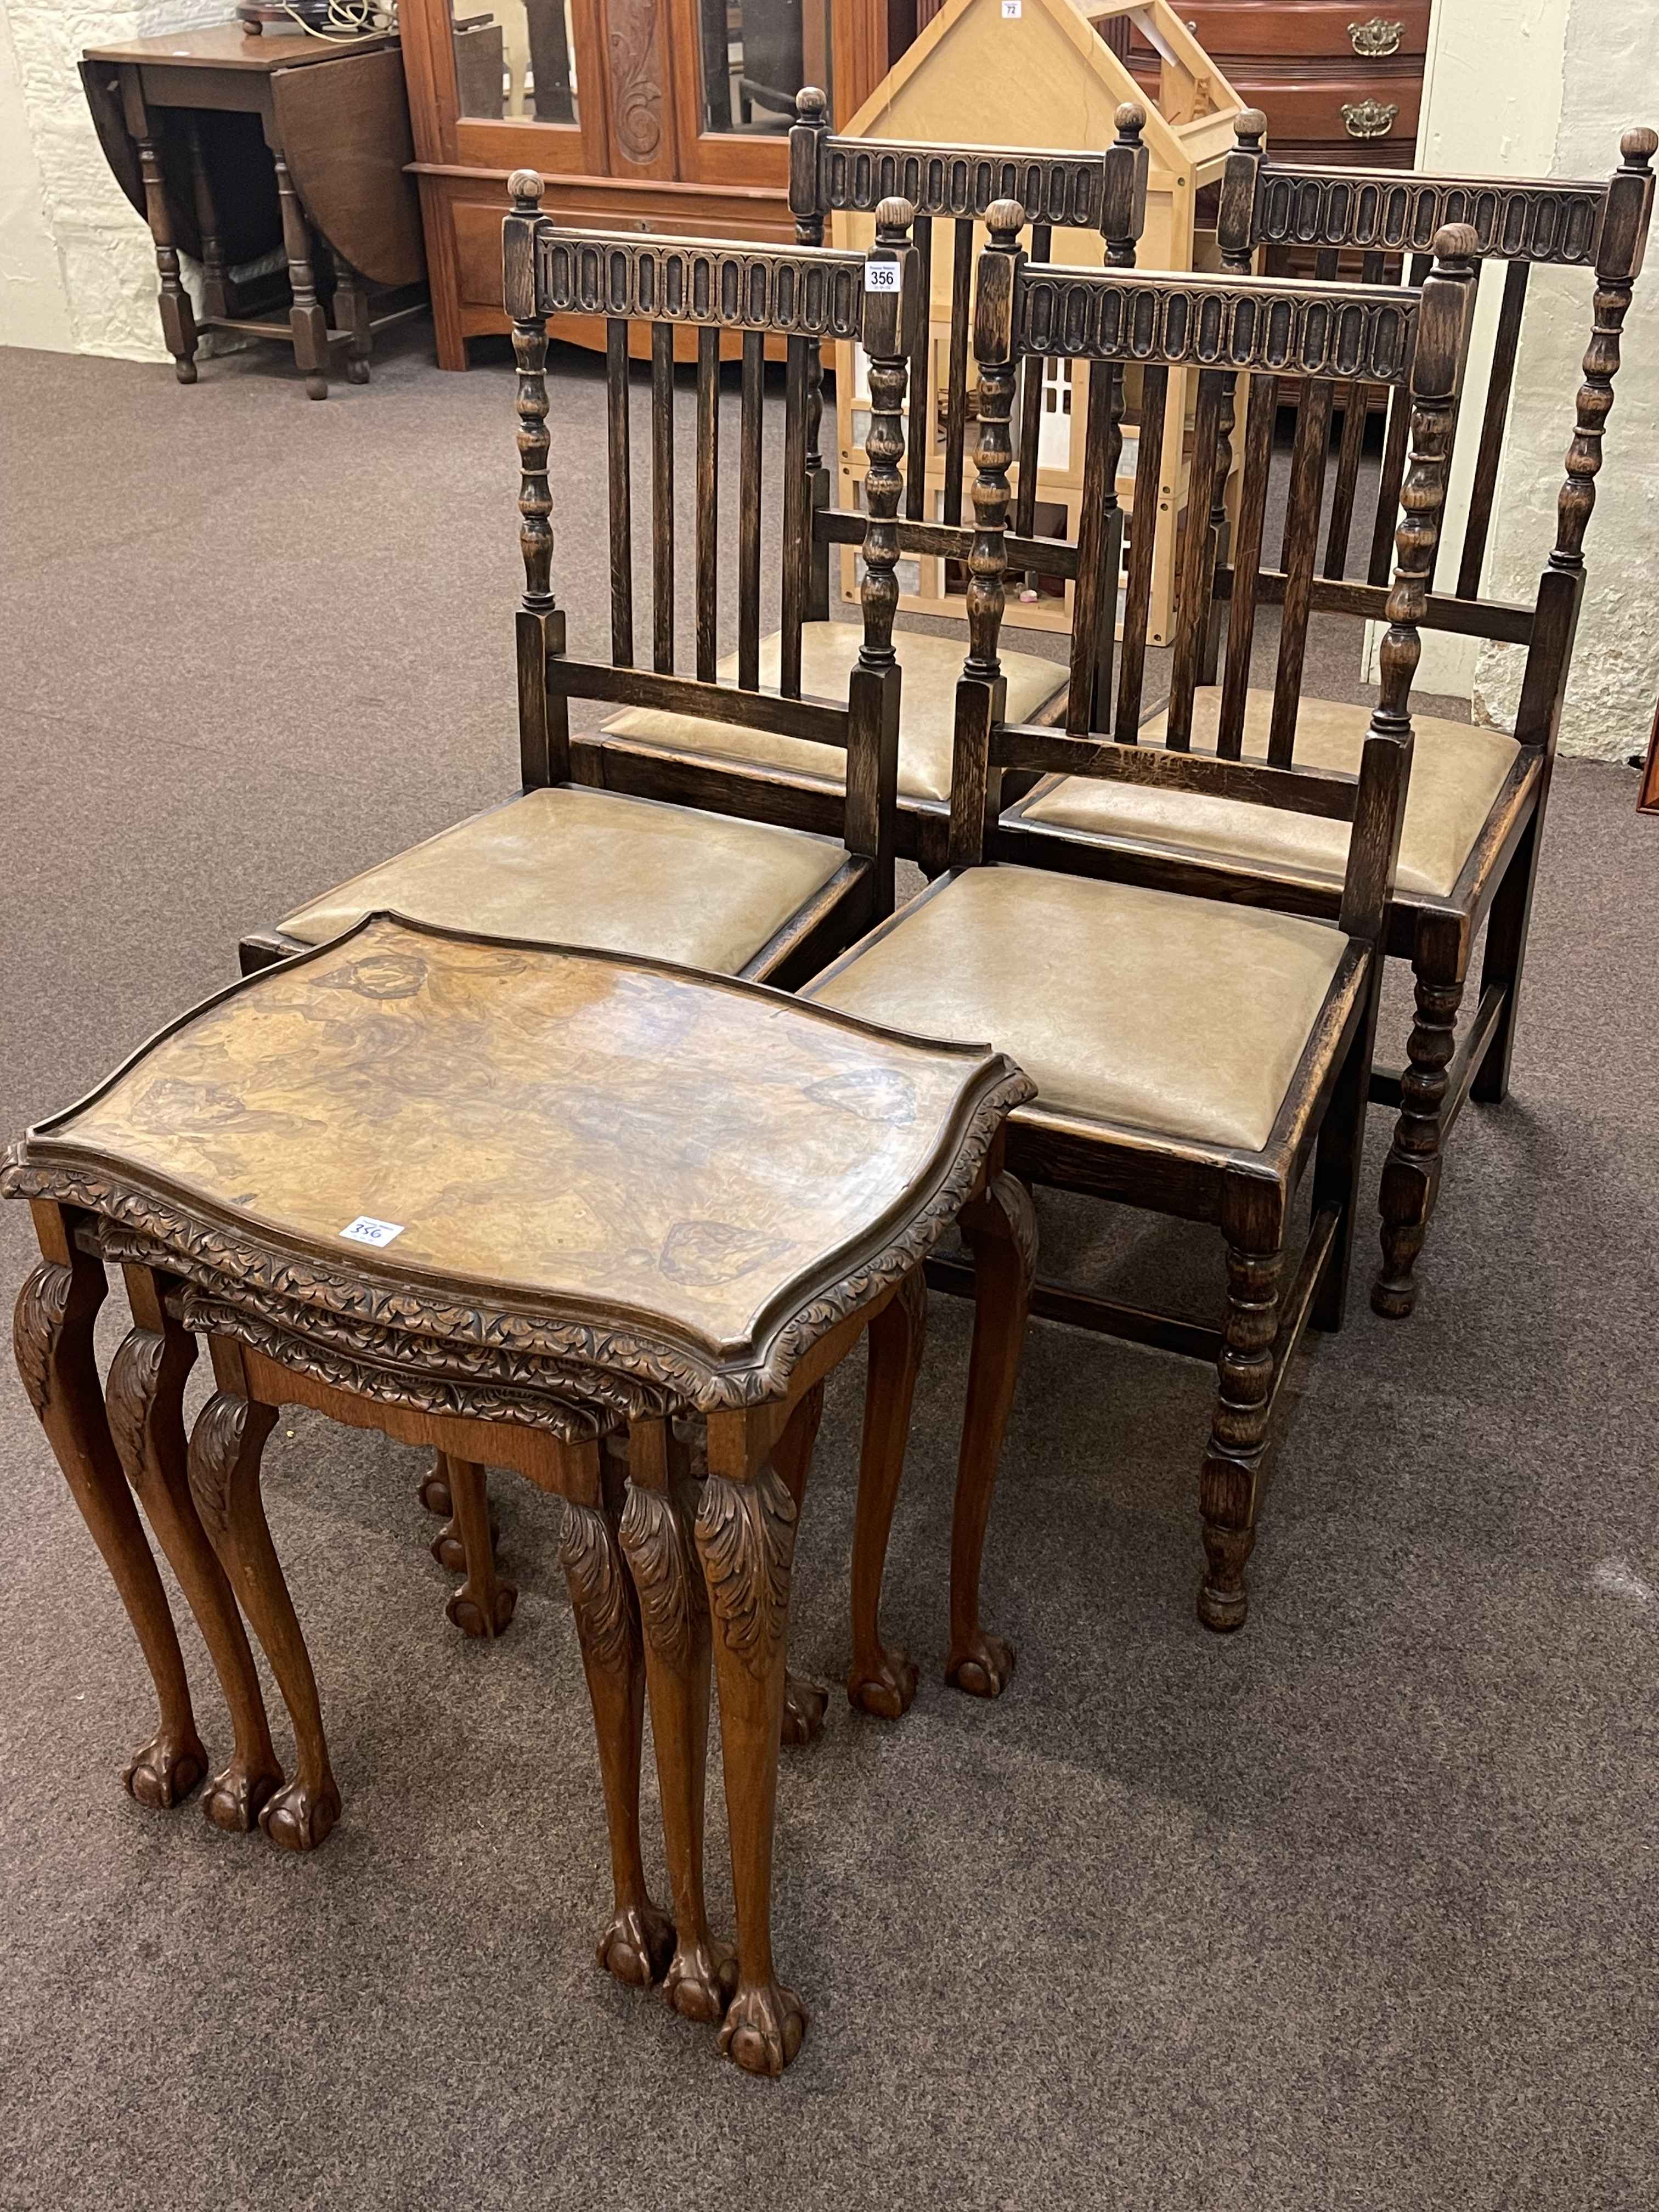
507, 1202
280, 163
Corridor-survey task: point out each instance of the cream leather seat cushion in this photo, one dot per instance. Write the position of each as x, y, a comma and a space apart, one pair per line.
829, 654
1181, 1015
575, 866
1457, 771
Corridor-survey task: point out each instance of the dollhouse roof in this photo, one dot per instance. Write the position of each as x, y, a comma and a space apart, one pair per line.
1040, 73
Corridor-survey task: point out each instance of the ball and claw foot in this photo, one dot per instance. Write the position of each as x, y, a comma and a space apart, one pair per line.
887, 1690
804, 1707
984, 1669
166, 1771
471, 1618
356, 372
433, 1494
447, 1549
699, 1983
235, 1797
637, 1945
296, 1820
763, 2030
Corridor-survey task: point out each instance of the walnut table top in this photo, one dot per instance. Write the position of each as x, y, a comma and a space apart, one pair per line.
564, 1154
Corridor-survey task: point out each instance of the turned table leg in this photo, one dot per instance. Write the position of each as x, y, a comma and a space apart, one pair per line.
351, 314
1001, 1228
657, 1542
145, 1399
638, 1943
745, 1534
307, 319
177, 316
883, 1678
53, 1333
225, 1449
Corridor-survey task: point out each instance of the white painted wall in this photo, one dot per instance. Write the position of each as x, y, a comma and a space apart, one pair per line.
77, 272
1541, 87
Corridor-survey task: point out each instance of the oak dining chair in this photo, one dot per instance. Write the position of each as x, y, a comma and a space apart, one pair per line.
1196, 1054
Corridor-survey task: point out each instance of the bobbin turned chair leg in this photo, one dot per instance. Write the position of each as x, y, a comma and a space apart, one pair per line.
1229, 1483
53, 1333
1411, 1174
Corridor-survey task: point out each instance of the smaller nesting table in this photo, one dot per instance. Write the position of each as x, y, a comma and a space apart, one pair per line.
555, 1211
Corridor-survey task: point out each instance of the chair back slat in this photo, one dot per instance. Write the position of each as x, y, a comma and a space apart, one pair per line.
1393, 461
795, 526
1351, 442
1030, 410
709, 497
1197, 557
920, 421
662, 498
1143, 527
956, 399
621, 489
1302, 510
749, 510
1100, 534
1489, 451
1260, 422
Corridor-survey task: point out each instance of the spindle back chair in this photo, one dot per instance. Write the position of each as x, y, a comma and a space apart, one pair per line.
563, 863
1472, 828
1193, 1053
1104, 193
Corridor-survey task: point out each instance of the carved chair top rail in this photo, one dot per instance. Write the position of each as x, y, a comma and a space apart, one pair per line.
809, 291
1571, 222
1352, 331
1103, 190
689, 1181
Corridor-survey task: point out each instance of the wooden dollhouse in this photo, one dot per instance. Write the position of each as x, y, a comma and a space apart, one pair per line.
1047, 73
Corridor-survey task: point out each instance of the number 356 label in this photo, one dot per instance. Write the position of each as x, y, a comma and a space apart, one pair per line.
366, 1230
881, 276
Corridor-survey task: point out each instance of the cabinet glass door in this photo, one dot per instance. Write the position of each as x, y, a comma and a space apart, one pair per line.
516, 62
756, 55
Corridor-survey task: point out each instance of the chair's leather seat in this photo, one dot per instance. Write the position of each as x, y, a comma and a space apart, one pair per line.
1457, 771
829, 654
571, 865
1182, 1015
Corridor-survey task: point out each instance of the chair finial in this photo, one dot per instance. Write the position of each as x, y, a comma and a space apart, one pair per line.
1005, 219
525, 188
813, 104
1249, 129
1131, 121
893, 220
1638, 146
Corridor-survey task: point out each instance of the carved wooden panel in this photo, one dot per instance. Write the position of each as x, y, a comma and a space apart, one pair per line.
810, 292
634, 64
1061, 189
1332, 330
1557, 222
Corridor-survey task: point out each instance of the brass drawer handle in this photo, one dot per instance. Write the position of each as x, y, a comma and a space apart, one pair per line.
1369, 119
1377, 39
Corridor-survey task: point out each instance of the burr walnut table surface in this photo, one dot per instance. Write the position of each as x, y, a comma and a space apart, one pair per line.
509, 1201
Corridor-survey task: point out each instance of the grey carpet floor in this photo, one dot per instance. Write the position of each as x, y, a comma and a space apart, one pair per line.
1356, 1909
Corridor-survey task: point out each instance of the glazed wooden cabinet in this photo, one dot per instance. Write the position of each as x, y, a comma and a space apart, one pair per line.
1336, 80
667, 115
